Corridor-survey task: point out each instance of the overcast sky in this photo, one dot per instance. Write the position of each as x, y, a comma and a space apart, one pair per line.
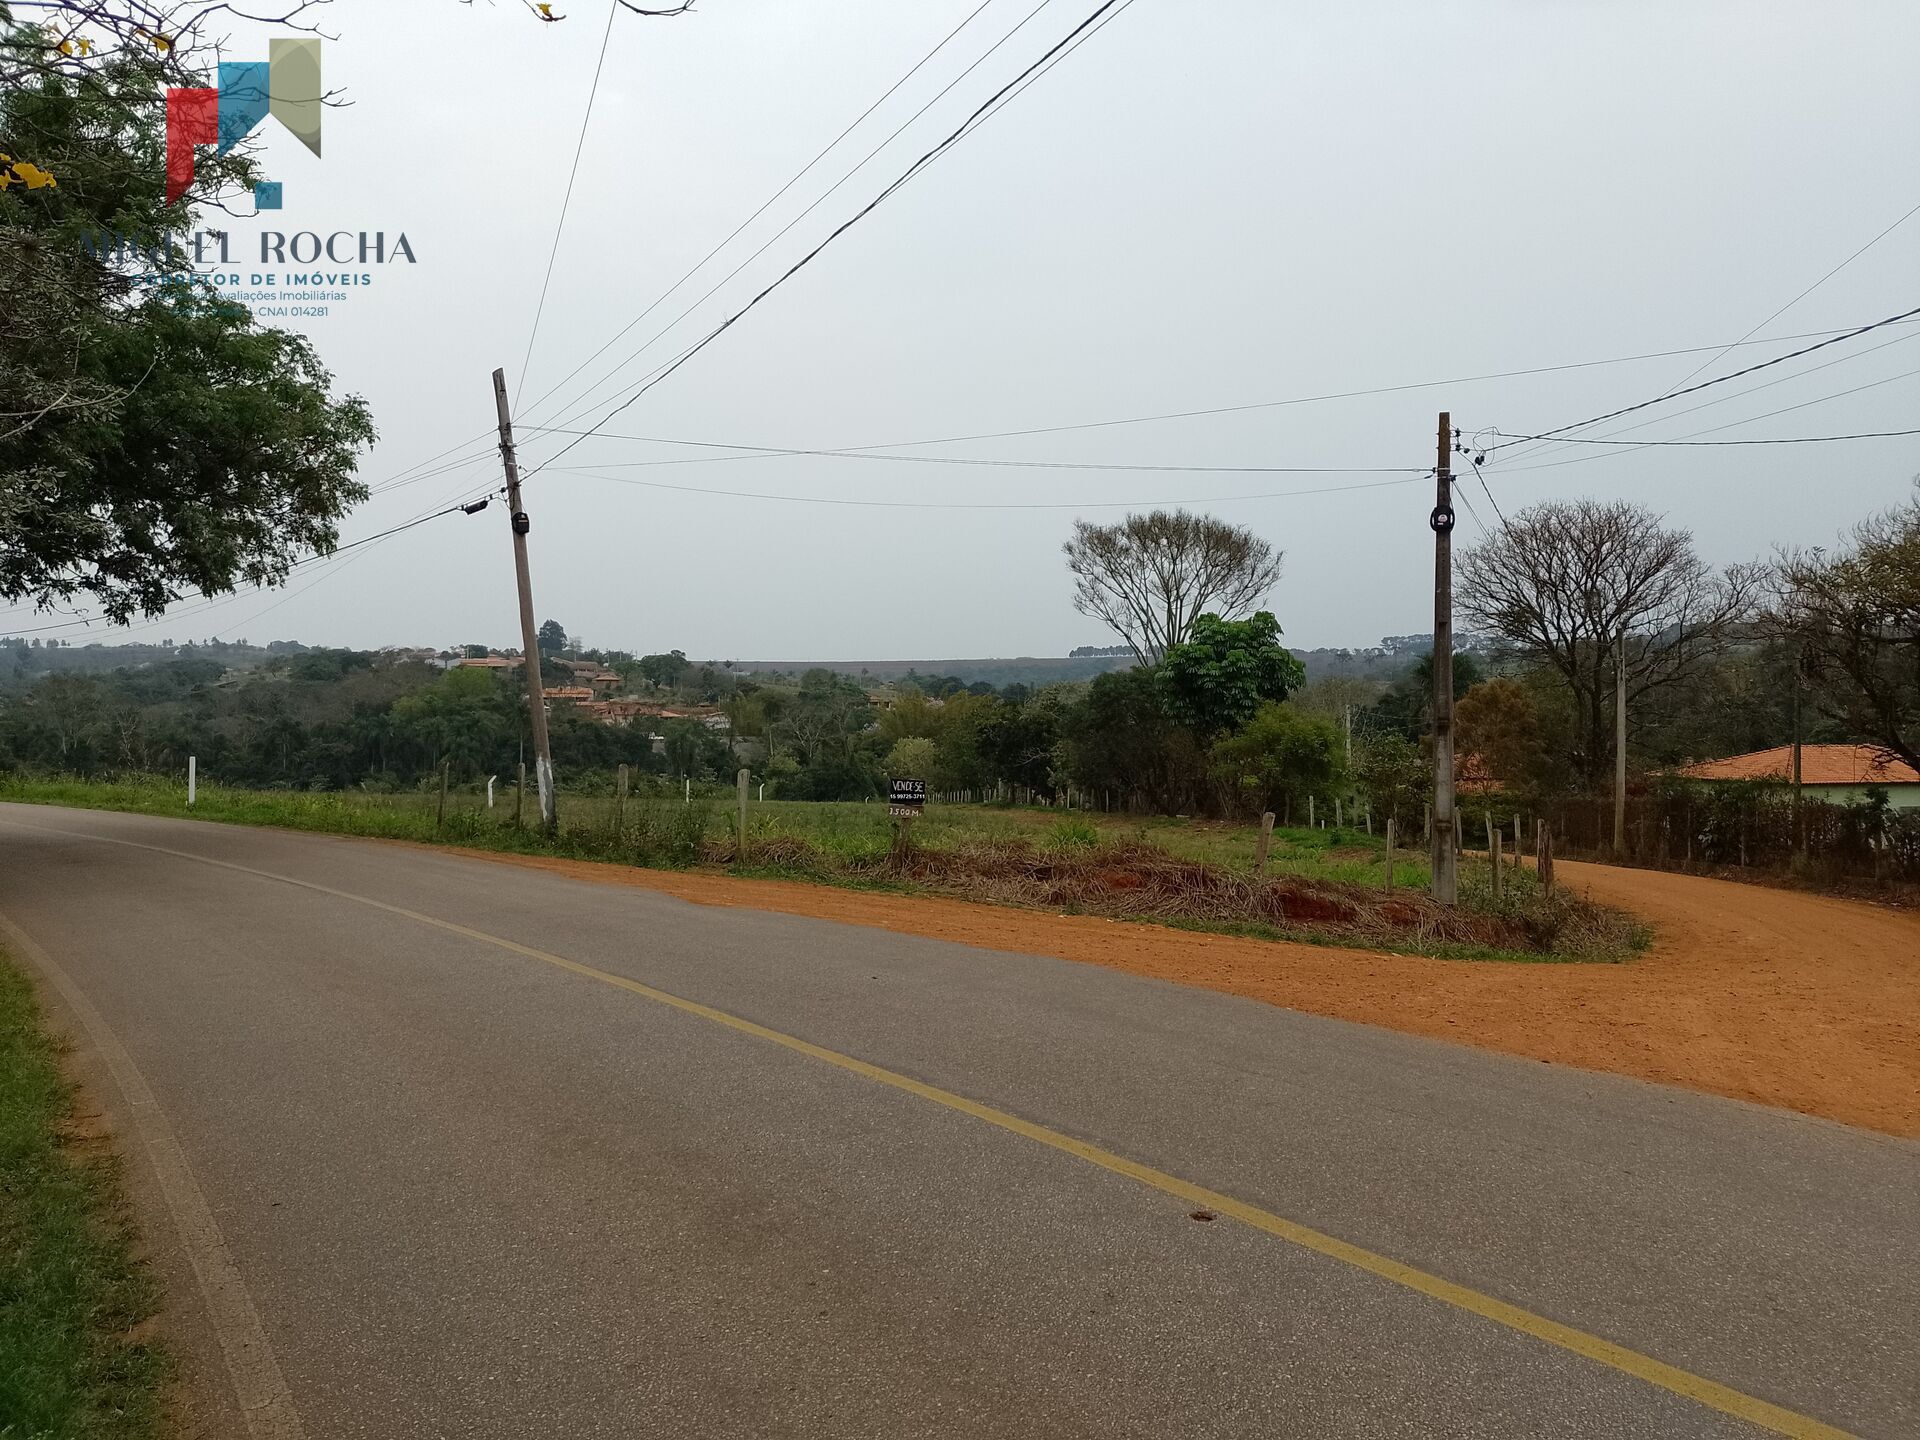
1207, 205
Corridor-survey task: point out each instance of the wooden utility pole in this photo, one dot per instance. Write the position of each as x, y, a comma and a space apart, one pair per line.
529, 633
1620, 746
1446, 878
1799, 812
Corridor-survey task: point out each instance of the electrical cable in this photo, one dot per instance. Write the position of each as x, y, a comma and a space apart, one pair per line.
533, 429
1776, 440
1712, 360
566, 203
772, 198
1714, 429
991, 462
979, 117
1721, 379
213, 600
1413, 479
1481, 476
926, 160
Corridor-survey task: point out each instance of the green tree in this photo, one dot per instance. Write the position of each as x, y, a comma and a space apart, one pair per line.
158, 440
1279, 758
1219, 677
664, 672
686, 743
1498, 725
1121, 740
1407, 707
1396, 778
913, 758
551, 637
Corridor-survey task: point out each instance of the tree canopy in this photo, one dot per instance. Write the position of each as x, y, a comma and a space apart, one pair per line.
1566, 584
157, 441
1216, 679
1854, 617
1151, 576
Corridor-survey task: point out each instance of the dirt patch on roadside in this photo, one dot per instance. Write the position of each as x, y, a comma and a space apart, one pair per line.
1782, 998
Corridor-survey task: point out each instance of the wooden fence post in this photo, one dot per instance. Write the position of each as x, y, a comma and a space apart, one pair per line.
620, 802
1543, 863
1266, 839
743, 780
1389, 852
1493, 854
441, 818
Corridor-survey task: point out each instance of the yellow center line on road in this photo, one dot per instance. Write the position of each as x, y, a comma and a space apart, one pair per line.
1710, 1393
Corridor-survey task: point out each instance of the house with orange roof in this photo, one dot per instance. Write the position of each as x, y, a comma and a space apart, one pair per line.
1838, 773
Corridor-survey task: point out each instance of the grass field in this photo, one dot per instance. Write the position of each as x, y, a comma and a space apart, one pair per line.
71, 1291
1324, 884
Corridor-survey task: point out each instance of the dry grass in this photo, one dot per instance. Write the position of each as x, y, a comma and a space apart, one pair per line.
1131, 880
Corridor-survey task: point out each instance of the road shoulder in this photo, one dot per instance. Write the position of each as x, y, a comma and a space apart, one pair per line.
1731, 999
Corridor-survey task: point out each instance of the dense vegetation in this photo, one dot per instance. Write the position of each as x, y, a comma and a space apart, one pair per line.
1223, 727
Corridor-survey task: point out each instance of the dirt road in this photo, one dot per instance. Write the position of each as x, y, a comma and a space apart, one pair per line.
1773, 996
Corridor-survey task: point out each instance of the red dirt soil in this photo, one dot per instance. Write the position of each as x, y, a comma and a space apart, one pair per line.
1773, 996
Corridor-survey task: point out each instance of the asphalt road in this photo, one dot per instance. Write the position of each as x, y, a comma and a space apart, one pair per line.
431, 1146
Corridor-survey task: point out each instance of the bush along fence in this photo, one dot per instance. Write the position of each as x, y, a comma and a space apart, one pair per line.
1747, 826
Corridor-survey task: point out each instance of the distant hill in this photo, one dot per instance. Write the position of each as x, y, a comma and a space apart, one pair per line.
1018, 670
1370, 664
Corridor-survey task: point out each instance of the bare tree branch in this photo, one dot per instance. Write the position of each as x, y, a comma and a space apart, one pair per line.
1566, 584
1148, 577
1855, 618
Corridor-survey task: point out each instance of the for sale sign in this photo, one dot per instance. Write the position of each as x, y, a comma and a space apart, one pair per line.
907, 798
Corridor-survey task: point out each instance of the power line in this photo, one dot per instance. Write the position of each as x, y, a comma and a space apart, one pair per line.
1481, 476
760, 452
992, 462
1723, 379
768, 203
1005, 97
213, 600
919, 165
1715, 429
1661, 419
1714, 359
1804, 293
659, 373
988, 505
1776, 440
566, 203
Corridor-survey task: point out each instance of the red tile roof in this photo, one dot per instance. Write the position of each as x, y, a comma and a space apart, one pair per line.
1819, 765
